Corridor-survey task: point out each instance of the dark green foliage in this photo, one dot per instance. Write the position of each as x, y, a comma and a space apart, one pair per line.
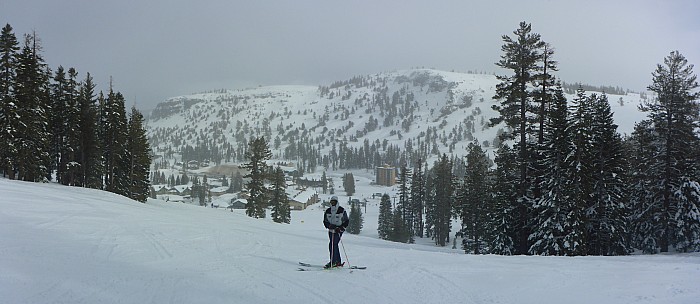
385, 217
473, 200
9, 47
439, 205
553, 207
139, 153
670, 143
607, 212
399, 231
404, 208
258, 153
31, 139
523, 55
505, 195
356, 219
50, 125
349, 183
417, 199
116, 158
89, 148
278, 198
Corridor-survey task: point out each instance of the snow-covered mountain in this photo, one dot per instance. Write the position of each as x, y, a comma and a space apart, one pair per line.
443, 111
62, 244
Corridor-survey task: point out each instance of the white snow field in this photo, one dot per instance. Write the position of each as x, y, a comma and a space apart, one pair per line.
72, 245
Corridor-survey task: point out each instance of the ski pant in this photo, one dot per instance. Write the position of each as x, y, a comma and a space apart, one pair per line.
334, 239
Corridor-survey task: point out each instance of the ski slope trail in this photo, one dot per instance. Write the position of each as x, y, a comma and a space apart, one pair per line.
72, 245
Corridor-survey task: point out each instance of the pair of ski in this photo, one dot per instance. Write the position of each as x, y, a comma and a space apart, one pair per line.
311, 267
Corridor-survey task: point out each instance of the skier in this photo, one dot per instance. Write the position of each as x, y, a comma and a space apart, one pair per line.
336, 220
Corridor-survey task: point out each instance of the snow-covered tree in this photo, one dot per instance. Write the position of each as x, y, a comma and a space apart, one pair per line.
258, 153
9, 47
278, 198
473, 199
385, 217
673, 122
139, 154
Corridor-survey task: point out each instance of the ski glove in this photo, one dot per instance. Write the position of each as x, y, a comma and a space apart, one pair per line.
339, 230
332, 227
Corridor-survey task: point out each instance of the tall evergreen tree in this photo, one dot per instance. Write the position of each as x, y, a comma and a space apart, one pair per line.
32, 93
442, 201
385, 217
473, 198
114, 140
607, 226
279, 200
553, 207
521, 55
349, 183
139, 153
9, 47
404, 207
674, 121
503, 218
63, 125
258, 153
71, 137
356, 219
581, 180
89, 154
417, 199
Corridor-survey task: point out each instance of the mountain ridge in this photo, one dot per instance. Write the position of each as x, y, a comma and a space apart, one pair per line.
429, 110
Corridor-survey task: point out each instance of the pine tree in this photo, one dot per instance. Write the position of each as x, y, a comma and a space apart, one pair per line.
503, 219
56, 127
71, 140
324, 182
89, 147
644, 220
404, 207
417, 199
32, 95
521, 55
553, 207
673, 117
139, 153
607, 226
9, 47
114, 141
582, 160
258, 153
385, 217
63, 121
442, 201
279, 200
473, 198
356, 219
349, 183
399, 231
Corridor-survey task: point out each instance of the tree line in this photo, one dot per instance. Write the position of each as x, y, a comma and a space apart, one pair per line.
565, 182
54, 127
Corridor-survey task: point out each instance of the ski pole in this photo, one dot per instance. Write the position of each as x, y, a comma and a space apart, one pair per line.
346, 253
332, 249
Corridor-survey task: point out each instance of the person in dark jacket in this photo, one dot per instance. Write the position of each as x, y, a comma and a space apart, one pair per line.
336, 220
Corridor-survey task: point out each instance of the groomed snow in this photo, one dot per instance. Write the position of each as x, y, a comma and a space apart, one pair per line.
73, 245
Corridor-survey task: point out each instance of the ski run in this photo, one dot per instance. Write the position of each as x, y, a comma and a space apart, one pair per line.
63, 244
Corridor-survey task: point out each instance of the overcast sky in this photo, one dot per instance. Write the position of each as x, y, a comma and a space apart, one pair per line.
155, 49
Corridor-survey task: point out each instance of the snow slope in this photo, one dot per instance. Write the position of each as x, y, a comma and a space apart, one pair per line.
217, 117
73, 245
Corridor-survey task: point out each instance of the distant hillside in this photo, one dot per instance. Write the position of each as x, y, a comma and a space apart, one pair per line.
356, 123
